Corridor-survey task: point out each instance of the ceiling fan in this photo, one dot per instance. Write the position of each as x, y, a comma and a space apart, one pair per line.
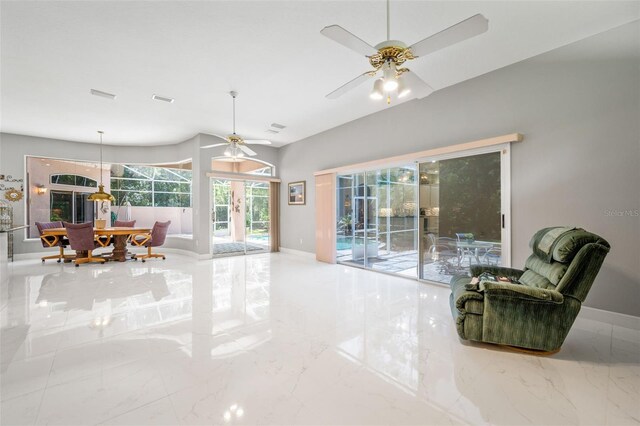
236, 146
388, 56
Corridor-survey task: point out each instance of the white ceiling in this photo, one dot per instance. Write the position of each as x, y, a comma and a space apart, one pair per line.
272, 53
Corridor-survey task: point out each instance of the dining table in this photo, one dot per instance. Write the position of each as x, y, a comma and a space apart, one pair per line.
119, 236
472, 249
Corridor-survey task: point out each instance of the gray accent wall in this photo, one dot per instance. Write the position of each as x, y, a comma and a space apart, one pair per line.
578, 107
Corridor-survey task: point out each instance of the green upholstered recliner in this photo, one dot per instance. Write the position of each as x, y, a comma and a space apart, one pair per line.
537, 312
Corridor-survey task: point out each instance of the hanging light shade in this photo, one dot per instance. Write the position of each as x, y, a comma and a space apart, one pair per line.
389, 77
377, 91
403, 89
101, 195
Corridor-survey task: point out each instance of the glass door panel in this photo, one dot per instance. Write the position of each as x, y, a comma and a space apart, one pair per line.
240, 217
84, 209
227, 213
257, 216
377, 220
460, 215
62, 206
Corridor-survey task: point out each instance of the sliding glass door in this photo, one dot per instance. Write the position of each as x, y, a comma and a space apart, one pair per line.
429, 220
377, 220
461, 215
240, 217
71, 206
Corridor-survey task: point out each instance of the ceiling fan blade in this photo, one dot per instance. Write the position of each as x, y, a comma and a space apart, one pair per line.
468, 28
257, 142
419, 88
247, 150
214, 145
345, 38
350, 85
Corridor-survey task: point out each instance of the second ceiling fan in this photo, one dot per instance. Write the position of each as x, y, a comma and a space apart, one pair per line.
388, 56
237, 146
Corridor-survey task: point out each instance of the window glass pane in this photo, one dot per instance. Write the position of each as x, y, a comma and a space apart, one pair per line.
185, 200
221, 194
142, 199
61, 206
131, 184
138, 172
222, 213
64, 179
167, 187
167, 200
164, 174
263, 192
260, 209
73, 180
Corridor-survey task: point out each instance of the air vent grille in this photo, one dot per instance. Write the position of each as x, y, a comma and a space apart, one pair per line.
162, 98
102, 94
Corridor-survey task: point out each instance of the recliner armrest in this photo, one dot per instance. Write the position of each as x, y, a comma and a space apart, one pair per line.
495, 270
519, 291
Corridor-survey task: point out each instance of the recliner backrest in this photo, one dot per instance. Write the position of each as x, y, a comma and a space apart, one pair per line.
565, 259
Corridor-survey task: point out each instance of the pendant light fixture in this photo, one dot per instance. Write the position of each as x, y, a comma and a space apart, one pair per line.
101, 195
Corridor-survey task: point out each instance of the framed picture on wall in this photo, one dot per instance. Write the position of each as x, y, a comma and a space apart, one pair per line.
297, 193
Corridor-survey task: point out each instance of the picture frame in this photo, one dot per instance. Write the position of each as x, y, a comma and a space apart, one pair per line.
297, 195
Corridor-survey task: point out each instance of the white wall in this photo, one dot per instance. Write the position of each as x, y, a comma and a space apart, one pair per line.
579, 109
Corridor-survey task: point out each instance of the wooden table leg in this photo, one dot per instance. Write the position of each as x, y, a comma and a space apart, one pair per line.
120, 251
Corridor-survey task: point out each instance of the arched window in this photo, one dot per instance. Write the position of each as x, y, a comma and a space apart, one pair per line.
73, 180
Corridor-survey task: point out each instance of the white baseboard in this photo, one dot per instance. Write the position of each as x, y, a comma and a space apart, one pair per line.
38, 255
298, 253
615, 318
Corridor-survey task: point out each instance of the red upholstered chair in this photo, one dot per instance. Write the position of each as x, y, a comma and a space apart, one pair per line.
124, 223
82, 238
155, 239
49, 241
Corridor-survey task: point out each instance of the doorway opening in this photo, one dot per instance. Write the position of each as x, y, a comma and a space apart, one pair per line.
240, 217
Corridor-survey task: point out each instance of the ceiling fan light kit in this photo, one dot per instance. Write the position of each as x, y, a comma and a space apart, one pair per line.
388, 56
236, 147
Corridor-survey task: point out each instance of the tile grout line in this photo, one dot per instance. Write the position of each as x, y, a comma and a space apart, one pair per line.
46, 385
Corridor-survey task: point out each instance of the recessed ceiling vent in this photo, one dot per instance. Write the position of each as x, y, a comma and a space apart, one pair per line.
103, 94
277, 126
272, 131
162, 98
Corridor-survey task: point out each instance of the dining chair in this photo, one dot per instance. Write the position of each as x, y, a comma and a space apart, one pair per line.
124, 223
154, 239
82, 238
49, 241
463, 240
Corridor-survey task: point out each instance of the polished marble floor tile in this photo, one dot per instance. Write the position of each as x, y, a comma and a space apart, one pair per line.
282, 339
